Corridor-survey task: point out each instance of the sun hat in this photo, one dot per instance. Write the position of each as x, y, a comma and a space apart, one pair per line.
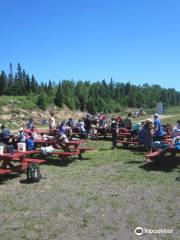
156, 115
149, 120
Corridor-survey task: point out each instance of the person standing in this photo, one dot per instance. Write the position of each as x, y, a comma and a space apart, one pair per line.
87, 123
146, 135
52, 121
114, 131
128, 121
158, 130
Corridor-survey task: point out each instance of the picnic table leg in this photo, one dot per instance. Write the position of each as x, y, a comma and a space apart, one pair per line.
6, 163
80, 157
173, 154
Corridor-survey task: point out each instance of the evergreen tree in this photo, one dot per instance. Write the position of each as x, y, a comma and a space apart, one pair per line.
3, 83
59, 97
33, 84
41, 101
91, 106
28, 84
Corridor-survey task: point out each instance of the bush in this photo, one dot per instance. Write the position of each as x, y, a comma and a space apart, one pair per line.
42, 102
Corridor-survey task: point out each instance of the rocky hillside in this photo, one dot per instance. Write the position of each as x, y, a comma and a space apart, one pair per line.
16, 111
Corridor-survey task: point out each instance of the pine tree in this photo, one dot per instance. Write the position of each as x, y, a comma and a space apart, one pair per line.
59, 97
91, 106
41, 101
33, 84
3, 83
28, 84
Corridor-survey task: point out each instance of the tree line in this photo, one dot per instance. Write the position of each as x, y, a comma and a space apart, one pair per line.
88, 96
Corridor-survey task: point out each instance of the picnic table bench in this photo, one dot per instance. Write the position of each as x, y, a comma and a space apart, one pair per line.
60, 153
82, 150
126, 143
74, 143
78, 152
5, 171
159, 153
63, 155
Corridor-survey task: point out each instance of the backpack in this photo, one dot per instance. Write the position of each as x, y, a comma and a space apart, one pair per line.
33, 173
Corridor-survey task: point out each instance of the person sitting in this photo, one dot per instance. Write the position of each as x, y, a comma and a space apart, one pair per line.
168, 129
30, 143
178, 124
80, 126
102, 120
121, 122
5, 134
21, 137
30, 125
102, 123
177, 143
128, 121
63, 128
71, 123
61, 139
136, 128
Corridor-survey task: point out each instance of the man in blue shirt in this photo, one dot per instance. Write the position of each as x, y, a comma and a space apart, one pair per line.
5, 134
158, 130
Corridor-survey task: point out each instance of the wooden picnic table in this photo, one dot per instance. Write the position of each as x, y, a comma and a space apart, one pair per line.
42, 131
38, 131
40, 142
159, 153
9, 159
74, 148
74, 143
125, 134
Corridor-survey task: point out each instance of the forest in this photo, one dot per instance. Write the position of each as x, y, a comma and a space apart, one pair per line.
106, 96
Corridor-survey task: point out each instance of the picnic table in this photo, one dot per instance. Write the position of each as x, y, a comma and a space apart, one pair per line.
73, 148
8, 161
160, 153
40, 142
74, 143
127, 138
38, 131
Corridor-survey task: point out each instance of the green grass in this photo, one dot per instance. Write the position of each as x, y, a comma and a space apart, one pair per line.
172, 119
111, 191
24, 102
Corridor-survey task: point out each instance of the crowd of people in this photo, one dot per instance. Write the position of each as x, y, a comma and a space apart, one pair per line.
147, 132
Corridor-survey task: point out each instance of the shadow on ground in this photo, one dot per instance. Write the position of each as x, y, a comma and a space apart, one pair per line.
4, 178
166, 164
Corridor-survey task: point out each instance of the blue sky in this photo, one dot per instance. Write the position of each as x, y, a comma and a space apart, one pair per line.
128, 40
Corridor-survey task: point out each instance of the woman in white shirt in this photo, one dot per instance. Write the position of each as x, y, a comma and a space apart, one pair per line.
52, 122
